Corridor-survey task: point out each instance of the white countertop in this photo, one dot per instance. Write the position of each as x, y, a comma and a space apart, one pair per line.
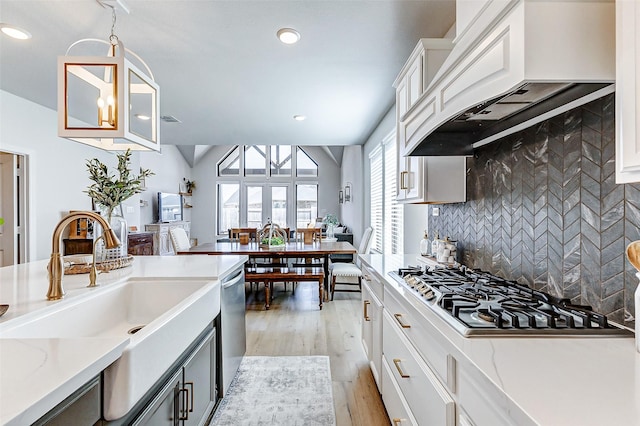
37, 374
553, 380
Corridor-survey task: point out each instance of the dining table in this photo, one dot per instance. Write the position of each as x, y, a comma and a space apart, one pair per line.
293, 249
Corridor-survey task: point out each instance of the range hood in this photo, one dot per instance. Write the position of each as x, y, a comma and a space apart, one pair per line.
534, 60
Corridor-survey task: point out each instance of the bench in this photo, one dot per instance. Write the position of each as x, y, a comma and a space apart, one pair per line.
269, 275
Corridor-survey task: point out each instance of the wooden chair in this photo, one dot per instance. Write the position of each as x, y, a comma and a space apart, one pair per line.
308, 235
348, 269
272, 230
235, 234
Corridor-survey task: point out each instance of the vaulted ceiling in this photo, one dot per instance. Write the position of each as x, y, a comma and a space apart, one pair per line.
223, 73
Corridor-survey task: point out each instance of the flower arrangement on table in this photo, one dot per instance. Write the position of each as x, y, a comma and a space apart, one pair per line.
331, 220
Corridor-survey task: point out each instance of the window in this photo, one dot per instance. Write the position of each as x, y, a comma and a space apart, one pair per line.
305, 166
255, 160
228, 206
307, 205
281, 160
254, 206
230, 165
386, 213
258, 183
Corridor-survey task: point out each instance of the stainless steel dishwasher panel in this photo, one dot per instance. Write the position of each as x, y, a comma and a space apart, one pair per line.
233, 328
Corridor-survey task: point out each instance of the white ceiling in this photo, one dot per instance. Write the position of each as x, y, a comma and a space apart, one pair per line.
221, 69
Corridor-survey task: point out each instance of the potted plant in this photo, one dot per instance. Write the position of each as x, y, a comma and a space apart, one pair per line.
109, 190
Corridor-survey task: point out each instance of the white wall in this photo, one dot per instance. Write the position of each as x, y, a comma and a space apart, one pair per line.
352, 213
170, 169
203, 218
57, 173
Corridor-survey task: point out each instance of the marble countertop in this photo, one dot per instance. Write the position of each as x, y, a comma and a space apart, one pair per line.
553, 380
37, 374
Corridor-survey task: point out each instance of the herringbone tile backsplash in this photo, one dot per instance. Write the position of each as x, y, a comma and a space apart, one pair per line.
543, 209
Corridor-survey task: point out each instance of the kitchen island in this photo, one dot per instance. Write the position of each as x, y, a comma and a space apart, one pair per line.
36, 374
514, 380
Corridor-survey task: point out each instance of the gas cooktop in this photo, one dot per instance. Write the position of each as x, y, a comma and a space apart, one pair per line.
477, 303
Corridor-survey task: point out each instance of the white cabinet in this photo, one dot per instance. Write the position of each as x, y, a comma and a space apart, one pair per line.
429, 401
434, 180
418, 180
415, 77
161, 242
627, 92
372, 328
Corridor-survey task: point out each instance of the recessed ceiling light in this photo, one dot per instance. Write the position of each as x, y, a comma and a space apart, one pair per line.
299, 117
15, 32
288, 35
143, 117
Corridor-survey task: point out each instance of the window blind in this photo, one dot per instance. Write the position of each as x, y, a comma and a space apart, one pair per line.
393, 211
376, 164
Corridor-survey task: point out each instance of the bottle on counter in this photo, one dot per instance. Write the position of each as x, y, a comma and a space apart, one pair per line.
425, 245
434, 244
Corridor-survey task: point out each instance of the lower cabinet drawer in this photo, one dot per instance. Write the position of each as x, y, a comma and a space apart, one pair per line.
427, 398
432, 347
394, 402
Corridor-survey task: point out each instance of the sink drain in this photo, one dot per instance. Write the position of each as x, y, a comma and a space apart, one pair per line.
134, 330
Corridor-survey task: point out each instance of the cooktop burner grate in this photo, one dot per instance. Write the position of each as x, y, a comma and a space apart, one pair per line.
479, 303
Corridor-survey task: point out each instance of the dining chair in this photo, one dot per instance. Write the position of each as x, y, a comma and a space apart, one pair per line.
179, 239
349, 269
236, 233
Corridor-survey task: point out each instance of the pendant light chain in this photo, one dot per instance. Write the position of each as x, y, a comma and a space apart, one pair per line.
113, 39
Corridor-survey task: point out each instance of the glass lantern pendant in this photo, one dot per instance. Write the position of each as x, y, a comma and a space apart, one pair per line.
108, 102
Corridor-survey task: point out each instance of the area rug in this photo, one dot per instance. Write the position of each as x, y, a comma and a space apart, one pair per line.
281, 390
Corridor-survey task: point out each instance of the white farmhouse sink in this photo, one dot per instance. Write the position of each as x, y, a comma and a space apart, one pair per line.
172, 313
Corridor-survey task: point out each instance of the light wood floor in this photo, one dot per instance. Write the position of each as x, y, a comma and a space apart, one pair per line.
295, 326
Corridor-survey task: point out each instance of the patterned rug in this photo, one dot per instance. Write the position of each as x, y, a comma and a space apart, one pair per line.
282, 390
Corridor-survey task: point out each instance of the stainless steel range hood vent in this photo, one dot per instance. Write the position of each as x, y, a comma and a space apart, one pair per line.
518, 63
498, 117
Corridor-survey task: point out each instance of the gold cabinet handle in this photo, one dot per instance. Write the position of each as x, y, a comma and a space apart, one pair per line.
397, 421
403, 324
366, 310
397, 361
404, 184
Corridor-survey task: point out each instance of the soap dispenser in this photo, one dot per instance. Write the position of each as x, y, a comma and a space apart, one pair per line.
425, 245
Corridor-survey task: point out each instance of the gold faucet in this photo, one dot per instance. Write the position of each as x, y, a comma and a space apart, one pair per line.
56, 268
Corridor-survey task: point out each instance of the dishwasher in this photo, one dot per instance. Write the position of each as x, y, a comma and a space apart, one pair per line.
233, 333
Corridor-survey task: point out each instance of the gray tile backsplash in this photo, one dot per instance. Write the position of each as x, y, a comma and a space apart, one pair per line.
543, 209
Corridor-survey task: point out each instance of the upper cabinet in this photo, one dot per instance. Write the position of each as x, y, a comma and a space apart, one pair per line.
424, 179
515, 63
414, 79
627, 92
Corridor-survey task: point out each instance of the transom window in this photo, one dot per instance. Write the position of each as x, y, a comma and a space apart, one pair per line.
261, 183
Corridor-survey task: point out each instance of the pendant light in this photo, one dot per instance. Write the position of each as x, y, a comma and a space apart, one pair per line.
102, 99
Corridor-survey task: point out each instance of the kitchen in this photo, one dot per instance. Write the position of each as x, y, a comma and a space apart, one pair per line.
498, 244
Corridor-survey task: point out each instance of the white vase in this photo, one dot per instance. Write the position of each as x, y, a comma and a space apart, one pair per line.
119, 225
330, 233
